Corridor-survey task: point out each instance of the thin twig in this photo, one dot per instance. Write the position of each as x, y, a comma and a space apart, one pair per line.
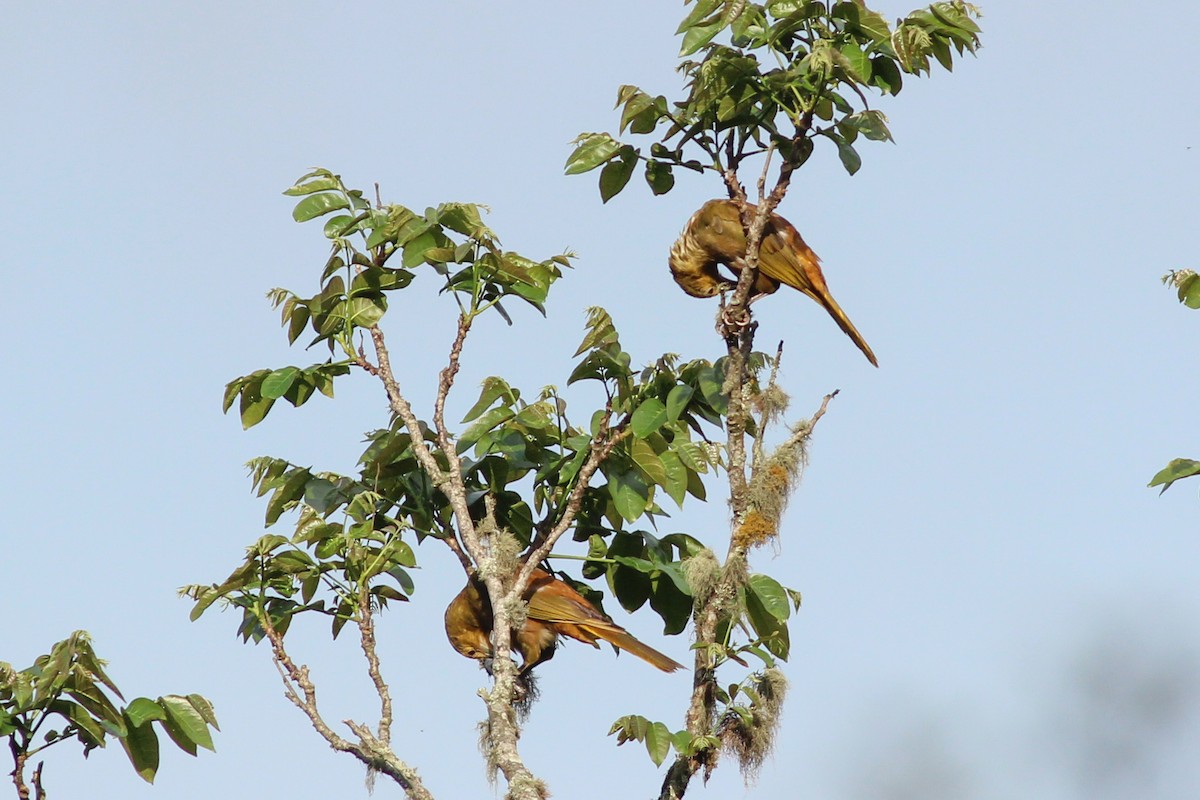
445, 382
599, 451
401, 408
366, 628
372, 752
762, 178
452, 542
449, 481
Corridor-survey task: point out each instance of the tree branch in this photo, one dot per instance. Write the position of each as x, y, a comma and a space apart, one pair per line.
474, 556
448, 481
445, 382
366, 628
598, 451
18, 773
371, 751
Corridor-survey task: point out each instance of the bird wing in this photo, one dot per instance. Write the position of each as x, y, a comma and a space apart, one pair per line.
547, 605
557, 604
785, 257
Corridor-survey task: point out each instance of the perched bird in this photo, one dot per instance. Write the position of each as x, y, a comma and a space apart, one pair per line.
714, 235
554, 608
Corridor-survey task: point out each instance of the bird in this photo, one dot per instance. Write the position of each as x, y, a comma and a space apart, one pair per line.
714, 235
554, 609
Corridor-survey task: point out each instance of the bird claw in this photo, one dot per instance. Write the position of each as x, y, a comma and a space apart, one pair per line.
733, 320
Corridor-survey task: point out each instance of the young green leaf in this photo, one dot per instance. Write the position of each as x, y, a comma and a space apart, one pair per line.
592, 150
1177, 469
316, 205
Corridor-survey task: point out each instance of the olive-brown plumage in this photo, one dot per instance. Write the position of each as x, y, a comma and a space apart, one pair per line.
554, 609
714, 235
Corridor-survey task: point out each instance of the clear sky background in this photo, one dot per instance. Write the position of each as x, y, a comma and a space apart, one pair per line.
995, 605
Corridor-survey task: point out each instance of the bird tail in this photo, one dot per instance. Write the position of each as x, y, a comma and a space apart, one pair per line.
844, 323
622, 639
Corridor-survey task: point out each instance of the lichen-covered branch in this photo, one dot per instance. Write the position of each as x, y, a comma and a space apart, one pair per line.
475, 556
737, 327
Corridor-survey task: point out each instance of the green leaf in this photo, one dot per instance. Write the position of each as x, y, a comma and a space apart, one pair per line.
278, 382
658, 743
702, 10
856, 63
493, 389
676, 476
287, 494
695, 486
143, 710
232, 390
188, 727
89, 728
770, 628
1177, 469
1189, 290
365, 311
773, 597
955, 14
463, 218
668, 601
616, 173
872, 124
316, 205
648, 461
415, 249
630, 494
322, 184
887, 75
630, 728
911, 45
677, 401
205, 709
141, 745
630, 584
849, 156
601, 331
659, 177
254, 409
700, 35
592, 150
482, 425
648, 418
297, 322
873, 24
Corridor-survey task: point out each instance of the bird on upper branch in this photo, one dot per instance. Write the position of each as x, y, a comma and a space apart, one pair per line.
714, 235
554, 609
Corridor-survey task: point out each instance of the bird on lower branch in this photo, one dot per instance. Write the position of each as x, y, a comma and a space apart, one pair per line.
714, 235
554, 609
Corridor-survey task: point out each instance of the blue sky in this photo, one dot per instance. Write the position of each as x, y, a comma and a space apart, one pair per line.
975, 514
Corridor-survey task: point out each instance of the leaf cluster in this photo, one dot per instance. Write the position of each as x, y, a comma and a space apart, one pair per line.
68, 689
376, 251
328, 566
792, 71
520, 462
